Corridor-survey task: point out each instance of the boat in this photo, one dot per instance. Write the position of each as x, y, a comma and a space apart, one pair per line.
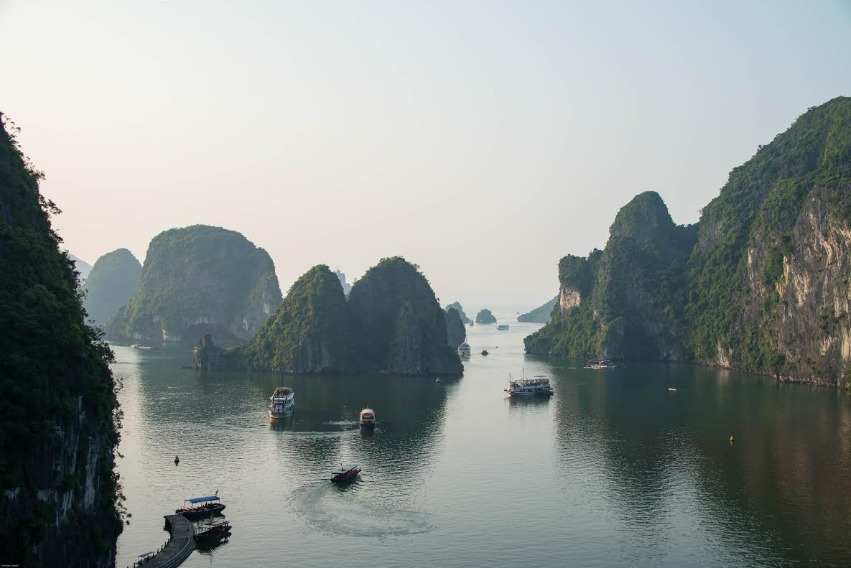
464, 349
345, 472
484, 352
538, 385
282, 402
600, 364
212, 532
502, 326
367, 418
208, 507
141, 347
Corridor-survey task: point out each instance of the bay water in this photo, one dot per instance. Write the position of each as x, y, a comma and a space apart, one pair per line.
615, 469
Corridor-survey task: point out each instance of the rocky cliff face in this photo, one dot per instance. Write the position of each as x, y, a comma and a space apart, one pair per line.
396, 323
485, 316
199, 280
58, 488
113, 281
456, 333
761, 284
457, 307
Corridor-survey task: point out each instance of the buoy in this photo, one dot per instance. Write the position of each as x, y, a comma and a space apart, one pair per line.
176, 460
732, 439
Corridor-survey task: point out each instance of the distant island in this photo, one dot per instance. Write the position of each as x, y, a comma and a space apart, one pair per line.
457, 307
390, 323
485, 316
541, 314
113, 281
760, 284
199, 280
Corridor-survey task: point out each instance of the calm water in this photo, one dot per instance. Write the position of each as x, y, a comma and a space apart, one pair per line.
613, 470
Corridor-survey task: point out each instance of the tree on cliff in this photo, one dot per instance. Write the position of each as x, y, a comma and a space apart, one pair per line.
57, 397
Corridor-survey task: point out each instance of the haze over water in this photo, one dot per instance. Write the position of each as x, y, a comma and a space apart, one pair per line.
613, 470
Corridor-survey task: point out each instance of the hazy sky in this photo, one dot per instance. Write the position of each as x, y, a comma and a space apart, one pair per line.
481, 140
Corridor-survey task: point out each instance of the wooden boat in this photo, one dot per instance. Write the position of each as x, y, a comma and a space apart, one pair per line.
367, 418
195, 512
600, 364
538, 385
345, 472
212, 532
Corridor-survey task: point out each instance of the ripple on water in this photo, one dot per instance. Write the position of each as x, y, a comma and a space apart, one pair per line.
337, 510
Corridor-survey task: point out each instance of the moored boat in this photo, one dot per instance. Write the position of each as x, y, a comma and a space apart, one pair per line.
345, 472
282, 402
367, 418
502, 327
600, 364
536, 386
212, 532
199, 508
464, 349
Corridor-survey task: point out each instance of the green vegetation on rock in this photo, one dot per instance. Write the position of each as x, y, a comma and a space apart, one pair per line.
485, 316
541, 314
59, 493
199, 280
309, 332
391, 323
760, 284
113, 281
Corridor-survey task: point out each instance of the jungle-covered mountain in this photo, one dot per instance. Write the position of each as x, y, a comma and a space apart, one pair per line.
58, 489
541, 314
760, 284
391, 322
83, 267
113, 281
198, 280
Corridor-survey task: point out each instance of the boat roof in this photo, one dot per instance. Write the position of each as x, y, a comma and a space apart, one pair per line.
346, 467
283, 390
202, 499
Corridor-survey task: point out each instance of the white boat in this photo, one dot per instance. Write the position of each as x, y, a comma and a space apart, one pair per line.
367, 418
502, 326
464, 349
538, 385
282, 402
600, 364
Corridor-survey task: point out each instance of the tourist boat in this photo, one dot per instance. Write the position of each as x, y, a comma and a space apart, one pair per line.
464, 349
600, 364
282, 402
502, 326
536, 386
367, 418
345, 472
194, 512
212, 532
484, 352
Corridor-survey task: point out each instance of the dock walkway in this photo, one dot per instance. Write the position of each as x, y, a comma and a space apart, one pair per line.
178, 548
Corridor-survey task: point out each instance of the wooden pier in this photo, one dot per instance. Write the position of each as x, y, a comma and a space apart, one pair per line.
180, 545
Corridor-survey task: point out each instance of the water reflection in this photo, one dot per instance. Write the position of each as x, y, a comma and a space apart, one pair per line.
668, 470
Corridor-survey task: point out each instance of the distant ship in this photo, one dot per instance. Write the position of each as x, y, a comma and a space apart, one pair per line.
464, 349
502, 326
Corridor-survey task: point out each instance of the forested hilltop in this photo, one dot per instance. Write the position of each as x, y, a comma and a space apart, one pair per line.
198, 280
761, 283
391, 322
113, 281
58, 488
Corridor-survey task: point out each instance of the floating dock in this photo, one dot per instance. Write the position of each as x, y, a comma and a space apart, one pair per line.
180, 545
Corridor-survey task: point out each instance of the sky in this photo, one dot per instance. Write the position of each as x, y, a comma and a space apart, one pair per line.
482, 141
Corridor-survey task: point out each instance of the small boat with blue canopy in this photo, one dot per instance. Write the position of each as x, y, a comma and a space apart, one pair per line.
201, 507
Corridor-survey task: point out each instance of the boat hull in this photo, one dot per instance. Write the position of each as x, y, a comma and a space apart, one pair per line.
200, 513
348, 475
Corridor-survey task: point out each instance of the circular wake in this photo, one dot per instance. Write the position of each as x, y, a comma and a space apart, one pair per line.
334, 509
